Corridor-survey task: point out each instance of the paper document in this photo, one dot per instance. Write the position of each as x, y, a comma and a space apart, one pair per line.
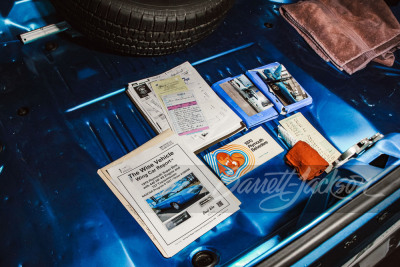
149, 105
185, 113
301, 129
169, 86
218, 117
170, 192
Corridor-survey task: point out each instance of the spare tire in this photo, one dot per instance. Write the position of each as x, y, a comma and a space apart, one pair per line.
144, 27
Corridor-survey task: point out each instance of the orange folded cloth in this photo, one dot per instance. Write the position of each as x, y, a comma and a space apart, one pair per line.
306, 160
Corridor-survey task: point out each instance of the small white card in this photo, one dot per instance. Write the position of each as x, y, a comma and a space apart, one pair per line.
300, 128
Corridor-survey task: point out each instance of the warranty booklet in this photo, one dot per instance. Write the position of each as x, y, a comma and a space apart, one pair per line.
244, 154
181, 100
170, 192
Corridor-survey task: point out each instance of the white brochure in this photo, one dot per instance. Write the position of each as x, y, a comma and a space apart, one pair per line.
171, 193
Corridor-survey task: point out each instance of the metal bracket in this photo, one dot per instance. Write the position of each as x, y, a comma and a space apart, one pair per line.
355, 150
34, 35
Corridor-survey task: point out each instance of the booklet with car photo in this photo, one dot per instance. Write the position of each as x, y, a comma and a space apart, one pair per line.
280, 87
170, 192
246, 100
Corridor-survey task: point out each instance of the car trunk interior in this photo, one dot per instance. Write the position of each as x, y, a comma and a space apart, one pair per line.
64, 114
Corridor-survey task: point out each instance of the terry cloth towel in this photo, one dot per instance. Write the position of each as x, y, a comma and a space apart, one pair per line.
306, 160
349, 33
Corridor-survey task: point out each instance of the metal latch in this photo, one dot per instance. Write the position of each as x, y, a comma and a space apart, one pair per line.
34, 35
355, 150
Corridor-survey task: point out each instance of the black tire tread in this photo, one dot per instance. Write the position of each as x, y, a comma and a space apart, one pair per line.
136, 30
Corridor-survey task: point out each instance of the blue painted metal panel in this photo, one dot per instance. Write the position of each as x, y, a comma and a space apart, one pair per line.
347, 231
63, 115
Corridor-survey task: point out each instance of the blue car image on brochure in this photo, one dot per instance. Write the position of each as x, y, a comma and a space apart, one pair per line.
176, 199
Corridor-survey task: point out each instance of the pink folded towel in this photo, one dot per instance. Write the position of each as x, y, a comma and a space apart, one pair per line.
349, 33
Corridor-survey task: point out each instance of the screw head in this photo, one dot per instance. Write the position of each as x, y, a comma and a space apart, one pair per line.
50, 46
205, 258
268, 25
23, 111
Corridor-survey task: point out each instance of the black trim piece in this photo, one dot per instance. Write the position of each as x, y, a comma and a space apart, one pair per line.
335, 222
